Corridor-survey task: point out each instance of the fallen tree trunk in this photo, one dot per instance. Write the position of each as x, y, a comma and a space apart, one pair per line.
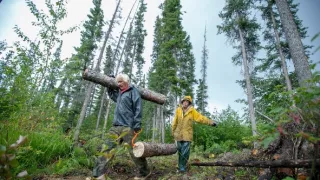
263, 164
143, 149
110, 82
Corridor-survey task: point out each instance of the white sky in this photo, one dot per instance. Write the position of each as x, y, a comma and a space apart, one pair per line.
222, 74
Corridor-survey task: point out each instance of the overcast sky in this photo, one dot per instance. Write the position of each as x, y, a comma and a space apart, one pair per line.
222, 74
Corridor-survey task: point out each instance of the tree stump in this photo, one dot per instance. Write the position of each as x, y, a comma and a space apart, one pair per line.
142, 149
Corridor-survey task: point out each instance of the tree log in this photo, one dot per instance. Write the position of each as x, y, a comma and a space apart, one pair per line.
263, 164
143, 149
110, 82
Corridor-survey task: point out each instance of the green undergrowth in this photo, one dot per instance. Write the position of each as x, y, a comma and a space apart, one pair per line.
47, 153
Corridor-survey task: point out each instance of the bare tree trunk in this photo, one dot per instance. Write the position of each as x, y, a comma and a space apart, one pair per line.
82, 114
115, 53
249, 90
132, 61
106, 117
153, 125
296, 48
91, 85
159, 124
163, 125
283, 60
101, 107
91, 100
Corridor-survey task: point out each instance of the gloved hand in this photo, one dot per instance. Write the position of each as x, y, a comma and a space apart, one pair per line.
214, 124
111, 75
137, 130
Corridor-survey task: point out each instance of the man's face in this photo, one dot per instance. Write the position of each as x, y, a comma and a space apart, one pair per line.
122, 84
185, 104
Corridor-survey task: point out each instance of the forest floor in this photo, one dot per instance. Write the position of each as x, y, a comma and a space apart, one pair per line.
122, 168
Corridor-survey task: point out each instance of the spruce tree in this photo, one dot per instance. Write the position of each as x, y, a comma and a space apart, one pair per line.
139, 36
90, 36
97, 68
293, 36
277, 46
202, 92
240, 27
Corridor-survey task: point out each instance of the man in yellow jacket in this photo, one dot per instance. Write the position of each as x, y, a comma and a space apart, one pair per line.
182, 129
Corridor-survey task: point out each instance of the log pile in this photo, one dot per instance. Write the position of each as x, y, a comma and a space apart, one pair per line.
142, 149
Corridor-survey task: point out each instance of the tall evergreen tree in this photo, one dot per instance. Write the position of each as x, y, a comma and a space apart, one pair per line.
240, 27
173, 62
97, 68
72, 80
297, 50
277, 46
186, 70
202, 92
139, 35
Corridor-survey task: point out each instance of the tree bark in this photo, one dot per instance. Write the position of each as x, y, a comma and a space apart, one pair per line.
163, 131
296, 48
109, 101
249, 89
153, 125
283, 60
101, 107
143, 149
83, 113
263, 164
109, 82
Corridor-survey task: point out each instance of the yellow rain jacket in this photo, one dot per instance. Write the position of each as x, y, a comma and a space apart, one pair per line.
182, 129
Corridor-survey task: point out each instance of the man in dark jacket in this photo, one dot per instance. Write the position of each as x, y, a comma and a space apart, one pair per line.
127, 120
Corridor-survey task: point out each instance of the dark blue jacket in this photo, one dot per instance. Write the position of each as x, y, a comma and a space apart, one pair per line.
128, 111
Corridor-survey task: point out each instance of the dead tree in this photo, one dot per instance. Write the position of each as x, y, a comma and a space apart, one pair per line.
264, 164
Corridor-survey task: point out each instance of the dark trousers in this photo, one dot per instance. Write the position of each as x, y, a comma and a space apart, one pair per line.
184, 153
127, 133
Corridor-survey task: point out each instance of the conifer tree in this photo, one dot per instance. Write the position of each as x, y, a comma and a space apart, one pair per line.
202, 92
293, 37
97, 68
72, 80
139, 35
240, 27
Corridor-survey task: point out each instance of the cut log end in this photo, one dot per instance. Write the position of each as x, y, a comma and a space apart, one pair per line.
138, 149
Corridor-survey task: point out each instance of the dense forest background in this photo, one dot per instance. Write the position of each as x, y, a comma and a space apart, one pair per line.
52, 121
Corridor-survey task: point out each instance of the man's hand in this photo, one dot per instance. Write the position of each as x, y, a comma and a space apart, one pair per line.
137, 130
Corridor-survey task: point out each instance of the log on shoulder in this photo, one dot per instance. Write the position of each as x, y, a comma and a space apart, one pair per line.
143, 149
110, 82
264, 164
